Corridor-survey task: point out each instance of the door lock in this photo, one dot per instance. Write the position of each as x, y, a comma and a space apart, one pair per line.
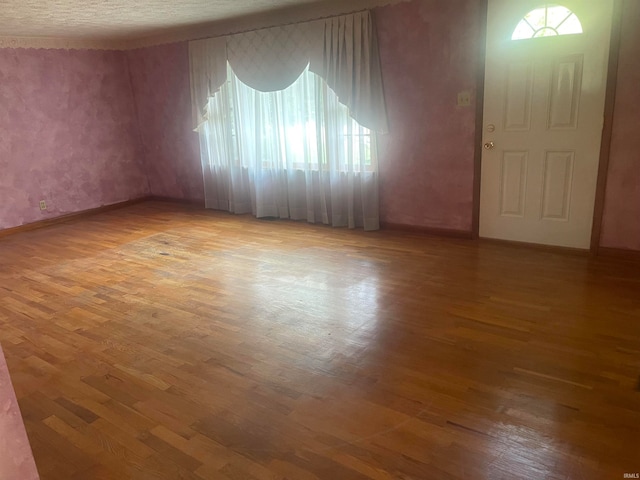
489, 145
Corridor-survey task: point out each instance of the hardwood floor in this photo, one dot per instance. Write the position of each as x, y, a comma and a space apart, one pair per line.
165, 342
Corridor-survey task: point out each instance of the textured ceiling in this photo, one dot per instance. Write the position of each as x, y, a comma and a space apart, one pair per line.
135, 19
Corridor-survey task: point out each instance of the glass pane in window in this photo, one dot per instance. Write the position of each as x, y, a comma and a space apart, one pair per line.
522, 31
545, 32
570, 26
536, 18
303, 126
556, 15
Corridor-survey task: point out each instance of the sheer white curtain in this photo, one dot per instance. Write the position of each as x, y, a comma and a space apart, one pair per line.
294, 153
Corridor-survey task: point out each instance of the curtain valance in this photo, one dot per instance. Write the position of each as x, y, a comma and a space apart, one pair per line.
343, 50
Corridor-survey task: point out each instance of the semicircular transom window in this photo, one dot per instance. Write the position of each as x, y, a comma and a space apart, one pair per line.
547, 21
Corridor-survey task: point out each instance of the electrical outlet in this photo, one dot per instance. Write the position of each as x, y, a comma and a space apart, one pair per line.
464, 98
43, 205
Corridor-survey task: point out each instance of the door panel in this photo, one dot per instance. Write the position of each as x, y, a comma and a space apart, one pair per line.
566, 85
517, 104
513, 184
544, 101
556, 187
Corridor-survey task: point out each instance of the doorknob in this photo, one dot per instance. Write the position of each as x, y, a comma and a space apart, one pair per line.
489, 145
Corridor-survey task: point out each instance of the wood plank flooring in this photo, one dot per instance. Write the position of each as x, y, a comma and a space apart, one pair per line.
165, 342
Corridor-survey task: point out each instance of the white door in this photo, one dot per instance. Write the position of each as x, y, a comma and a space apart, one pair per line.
543, 116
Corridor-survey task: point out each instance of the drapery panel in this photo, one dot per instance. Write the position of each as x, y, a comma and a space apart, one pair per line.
348, 60
207, 73
343, 50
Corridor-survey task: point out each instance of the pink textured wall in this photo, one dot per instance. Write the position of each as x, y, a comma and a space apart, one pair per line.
429, 53
621, 222
160, 80
68, 133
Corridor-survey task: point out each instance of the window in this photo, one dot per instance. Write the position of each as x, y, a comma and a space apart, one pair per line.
285, 133
547, 21
294, 153
301, 127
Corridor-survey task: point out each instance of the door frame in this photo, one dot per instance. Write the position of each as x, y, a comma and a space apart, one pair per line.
607, 129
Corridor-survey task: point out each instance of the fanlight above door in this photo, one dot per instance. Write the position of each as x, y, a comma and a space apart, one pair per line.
547, 21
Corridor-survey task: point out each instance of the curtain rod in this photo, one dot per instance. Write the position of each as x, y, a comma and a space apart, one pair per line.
325, 17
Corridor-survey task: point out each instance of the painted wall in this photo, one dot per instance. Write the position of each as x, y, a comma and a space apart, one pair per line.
160, 81
68, 133
621, 222
429, 53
